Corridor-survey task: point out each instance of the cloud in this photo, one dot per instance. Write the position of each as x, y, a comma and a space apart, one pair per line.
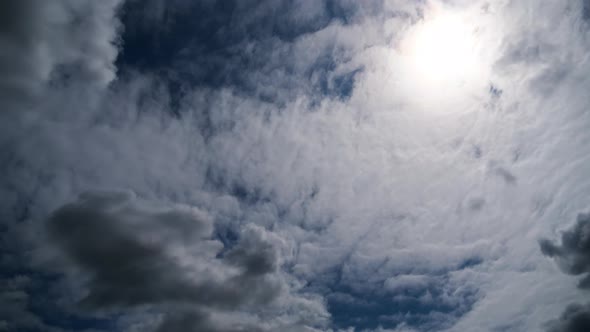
573, 254
13, 303
42, 41
333, 189
575, 318
102, 234
135, 254
573, 257
199, 321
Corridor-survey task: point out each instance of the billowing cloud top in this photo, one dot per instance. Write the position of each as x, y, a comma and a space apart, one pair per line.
262, 165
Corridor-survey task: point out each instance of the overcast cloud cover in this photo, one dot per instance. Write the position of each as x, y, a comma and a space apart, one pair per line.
270, 165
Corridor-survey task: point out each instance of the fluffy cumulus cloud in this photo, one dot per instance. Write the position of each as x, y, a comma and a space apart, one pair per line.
132, 254
330, 165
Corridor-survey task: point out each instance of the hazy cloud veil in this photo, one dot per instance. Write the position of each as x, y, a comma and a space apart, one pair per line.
270, 165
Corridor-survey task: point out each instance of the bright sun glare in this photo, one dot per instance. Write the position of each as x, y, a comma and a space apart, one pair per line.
442, 49
442, 66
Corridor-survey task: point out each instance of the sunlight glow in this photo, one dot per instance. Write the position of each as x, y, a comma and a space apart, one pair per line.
443, 48
442, 58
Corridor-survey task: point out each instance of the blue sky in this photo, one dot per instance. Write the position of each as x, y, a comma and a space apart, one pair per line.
311, 165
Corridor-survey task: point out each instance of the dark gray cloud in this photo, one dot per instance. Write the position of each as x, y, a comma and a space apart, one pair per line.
19, 30
573, 254
134, 254
253, 254
45, 46
44, 41
99, 234
573, 257
575, 318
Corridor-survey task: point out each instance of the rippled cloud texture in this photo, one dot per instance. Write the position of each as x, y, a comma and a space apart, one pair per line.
280, 165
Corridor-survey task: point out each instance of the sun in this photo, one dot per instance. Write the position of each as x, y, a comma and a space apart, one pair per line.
441, 63
442, 48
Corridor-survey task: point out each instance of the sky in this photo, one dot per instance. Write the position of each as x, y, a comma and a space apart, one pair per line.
308, 165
